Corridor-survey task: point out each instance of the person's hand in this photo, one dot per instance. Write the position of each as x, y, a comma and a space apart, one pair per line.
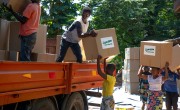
93, 33
166, 64
99, 57
106, 58
178, 70
141, 67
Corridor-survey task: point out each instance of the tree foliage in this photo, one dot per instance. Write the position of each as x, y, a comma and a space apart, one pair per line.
58, 14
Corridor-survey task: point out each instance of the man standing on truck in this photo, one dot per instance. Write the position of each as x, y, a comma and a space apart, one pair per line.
28, 30
73, 35
108, 84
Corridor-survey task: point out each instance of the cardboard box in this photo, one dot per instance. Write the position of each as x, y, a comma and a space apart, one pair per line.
130, 76
175, 57
177, 6
3, 55
123, 86
132, 53
131, 64
132, 87
178, 86
40, 46
13, 56
41, 57
104, 44
70, 57
4, 34
14, 40
155, 53
17, 5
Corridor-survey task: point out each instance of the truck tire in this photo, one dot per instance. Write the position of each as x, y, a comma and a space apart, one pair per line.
43, 104
75, 102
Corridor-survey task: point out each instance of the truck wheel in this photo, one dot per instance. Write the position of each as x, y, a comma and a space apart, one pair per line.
43, 104
75, 102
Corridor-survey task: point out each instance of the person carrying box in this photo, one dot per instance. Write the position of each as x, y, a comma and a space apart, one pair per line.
73, 35
28, 30
155, 94
108, 84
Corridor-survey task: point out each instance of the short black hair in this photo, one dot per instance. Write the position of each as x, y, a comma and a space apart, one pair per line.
86, 9
110, 67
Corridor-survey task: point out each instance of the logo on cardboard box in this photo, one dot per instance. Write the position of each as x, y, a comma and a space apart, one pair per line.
107, 42
149, 50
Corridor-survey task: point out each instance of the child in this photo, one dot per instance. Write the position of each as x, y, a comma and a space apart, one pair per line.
108, 84
155, 95
144, 85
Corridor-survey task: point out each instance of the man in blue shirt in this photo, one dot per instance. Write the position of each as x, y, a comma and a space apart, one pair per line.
170, 86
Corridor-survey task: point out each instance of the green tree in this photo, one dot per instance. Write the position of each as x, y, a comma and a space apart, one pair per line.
58, 14
161, 23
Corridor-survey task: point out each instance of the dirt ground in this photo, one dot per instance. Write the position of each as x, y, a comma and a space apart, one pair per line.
122, 100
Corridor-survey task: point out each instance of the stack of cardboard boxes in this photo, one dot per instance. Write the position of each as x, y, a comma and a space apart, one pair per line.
3, 39
10, 42
131, 66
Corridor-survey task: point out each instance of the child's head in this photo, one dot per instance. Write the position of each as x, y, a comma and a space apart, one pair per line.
110, 68
155, 71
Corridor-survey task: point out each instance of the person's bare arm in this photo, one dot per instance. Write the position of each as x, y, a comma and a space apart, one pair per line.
19, 17
83, 35
140, 75
178, 72
166, 71
103, 75
105, 64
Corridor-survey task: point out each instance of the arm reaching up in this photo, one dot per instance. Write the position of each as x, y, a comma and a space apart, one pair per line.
166, 71
140, 75
19, 17
103, 75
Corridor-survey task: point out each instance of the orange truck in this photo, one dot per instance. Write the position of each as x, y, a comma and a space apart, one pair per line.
46, 86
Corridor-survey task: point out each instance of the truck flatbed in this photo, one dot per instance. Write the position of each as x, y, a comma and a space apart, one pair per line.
21, 81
